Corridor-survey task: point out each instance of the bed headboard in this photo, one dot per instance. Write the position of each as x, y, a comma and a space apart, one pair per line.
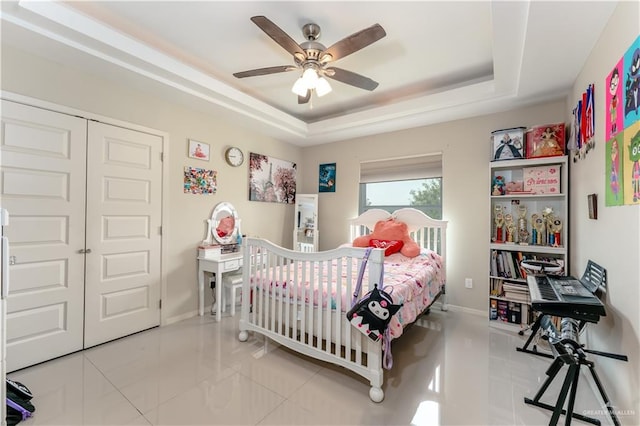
427, 232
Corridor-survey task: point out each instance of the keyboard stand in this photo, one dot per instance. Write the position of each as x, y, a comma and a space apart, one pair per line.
534, 331
570, 384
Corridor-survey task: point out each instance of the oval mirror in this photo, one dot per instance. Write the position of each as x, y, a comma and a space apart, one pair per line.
225, 223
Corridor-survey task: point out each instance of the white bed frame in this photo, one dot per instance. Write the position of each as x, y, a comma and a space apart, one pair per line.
323, 332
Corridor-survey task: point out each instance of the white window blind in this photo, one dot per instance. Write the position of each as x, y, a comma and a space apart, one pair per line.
417, 167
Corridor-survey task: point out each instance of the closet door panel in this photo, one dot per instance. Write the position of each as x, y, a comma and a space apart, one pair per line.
42, 185
123, 233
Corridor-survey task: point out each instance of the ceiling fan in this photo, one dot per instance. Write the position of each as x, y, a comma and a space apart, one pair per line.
313, 58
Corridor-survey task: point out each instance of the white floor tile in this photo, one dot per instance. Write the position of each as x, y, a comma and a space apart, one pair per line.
450, 368
235, 400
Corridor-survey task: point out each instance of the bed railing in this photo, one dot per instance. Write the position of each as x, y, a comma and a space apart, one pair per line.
300, 301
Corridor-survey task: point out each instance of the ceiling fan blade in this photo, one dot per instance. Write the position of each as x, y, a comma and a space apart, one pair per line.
353, 43
352, 78
279, 36
264, 71
304, 99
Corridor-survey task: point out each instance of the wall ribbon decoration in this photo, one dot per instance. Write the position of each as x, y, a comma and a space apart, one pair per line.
584, 124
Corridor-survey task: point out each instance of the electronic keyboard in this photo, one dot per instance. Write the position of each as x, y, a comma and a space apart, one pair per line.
564, 296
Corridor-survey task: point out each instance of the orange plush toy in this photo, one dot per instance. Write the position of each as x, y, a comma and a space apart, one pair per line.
391, 235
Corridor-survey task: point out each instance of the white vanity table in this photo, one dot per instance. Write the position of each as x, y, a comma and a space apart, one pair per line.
224, 228
228, 262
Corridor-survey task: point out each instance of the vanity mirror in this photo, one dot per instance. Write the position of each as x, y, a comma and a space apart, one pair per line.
224, 225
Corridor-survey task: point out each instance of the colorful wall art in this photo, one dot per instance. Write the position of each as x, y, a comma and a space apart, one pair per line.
622, 153
200, 181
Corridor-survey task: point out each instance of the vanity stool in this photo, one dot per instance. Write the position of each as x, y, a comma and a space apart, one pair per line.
231, 283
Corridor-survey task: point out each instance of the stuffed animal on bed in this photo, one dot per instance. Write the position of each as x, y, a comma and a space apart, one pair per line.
392, 235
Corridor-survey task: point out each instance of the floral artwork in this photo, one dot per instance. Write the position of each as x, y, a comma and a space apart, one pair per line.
200, 181
271, 180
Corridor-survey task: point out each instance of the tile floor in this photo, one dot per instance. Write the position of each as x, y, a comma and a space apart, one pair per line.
450, 368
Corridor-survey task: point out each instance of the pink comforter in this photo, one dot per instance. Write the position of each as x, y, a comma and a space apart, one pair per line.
414, 282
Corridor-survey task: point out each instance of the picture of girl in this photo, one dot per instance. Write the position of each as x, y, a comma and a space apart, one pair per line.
613, 95
199, 150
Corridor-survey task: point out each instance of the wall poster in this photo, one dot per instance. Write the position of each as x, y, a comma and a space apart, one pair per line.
327, 178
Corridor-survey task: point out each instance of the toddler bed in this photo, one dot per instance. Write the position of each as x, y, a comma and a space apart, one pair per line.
300, 299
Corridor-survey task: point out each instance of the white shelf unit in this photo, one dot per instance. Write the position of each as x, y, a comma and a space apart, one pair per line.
511, 310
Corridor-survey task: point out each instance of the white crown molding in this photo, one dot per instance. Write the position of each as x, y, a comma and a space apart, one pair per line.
66, 25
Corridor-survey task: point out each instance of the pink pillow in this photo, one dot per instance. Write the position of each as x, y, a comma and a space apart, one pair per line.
389, 246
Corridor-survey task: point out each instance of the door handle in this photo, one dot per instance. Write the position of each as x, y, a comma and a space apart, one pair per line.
84, 251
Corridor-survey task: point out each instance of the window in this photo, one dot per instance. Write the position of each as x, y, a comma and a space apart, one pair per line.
404, 182
422, 194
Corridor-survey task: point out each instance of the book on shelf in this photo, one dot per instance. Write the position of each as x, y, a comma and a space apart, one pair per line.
503, 310
516, 292
494, 263
507, 264
510, 290
495, 286
514, 313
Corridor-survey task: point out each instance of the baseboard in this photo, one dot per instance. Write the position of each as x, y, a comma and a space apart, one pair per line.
457, 308
178, 318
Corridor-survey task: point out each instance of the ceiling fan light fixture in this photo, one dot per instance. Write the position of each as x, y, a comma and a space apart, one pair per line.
310, 76
322, 87
300, 87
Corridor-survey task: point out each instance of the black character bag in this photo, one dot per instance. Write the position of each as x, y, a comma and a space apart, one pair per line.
19, 406
372, 314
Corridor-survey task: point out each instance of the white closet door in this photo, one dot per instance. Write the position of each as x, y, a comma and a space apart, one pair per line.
42, 181
122, 291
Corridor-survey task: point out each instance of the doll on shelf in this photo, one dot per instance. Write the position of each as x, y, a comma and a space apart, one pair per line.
499, 221
498, 186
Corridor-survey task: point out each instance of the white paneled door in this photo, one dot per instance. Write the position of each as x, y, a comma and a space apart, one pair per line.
84, 199
43, 186
122, 292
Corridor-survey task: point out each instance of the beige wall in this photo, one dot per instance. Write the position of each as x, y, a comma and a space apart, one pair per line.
184, 227
613, 240
466, 152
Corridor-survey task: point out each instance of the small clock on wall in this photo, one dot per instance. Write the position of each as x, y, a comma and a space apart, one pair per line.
234, 156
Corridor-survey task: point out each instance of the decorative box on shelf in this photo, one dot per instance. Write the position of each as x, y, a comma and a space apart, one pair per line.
545, 141
542, 180
508, 144
209, 251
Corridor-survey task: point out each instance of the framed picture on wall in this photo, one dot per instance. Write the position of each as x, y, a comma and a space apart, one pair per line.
327, 178
198, 150
271, 180
592, 202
